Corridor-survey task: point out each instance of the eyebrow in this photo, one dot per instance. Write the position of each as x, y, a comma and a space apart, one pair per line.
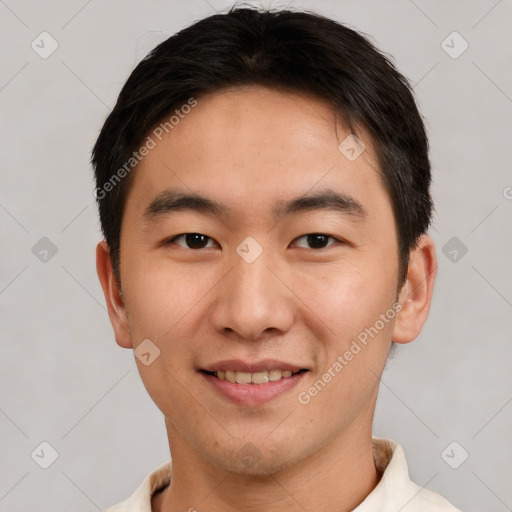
170, 201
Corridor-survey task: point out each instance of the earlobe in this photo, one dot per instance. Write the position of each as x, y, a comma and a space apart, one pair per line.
416, 293
113, 296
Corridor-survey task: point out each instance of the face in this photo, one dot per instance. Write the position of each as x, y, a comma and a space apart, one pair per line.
252, 248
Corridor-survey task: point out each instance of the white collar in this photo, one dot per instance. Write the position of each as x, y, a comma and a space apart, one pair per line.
395, 491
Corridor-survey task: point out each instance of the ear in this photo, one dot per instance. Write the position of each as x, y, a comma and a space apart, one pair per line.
416, 293
113, 298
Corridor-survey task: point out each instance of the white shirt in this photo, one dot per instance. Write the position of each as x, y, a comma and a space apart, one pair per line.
394, 492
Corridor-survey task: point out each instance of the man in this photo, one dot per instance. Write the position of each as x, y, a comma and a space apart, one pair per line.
263, 188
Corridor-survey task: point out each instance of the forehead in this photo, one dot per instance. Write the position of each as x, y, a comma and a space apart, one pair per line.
252, 145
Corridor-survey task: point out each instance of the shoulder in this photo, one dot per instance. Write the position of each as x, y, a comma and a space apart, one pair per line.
428, 501
396, 491
140, 500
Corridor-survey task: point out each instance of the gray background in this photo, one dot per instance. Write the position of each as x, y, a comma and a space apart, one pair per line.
65, 381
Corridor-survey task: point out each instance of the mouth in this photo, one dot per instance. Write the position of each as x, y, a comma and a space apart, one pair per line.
256, 378
252, 384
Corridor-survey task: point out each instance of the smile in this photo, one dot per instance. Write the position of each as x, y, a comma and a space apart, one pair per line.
252, 389
253, 378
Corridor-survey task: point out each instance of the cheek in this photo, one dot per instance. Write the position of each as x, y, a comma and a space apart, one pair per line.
355, 345
347, 298
161, 306
159, 295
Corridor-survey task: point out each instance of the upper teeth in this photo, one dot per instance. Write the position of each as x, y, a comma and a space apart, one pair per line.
253, 378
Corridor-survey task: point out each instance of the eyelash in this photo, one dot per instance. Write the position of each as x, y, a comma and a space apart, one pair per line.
173, 239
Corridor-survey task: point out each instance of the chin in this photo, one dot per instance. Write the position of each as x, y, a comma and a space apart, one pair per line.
255, 458
264, 467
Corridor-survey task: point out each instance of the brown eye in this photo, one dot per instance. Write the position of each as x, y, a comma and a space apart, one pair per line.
316, 240
192, 240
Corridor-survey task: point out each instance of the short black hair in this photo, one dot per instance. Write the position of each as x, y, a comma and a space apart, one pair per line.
284, 50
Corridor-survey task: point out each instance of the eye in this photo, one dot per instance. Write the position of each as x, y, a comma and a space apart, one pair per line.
192, 240
315, 240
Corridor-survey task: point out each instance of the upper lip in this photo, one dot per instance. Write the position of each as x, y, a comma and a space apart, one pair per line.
253, 367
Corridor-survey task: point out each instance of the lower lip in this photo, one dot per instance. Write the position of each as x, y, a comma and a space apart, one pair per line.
253, 394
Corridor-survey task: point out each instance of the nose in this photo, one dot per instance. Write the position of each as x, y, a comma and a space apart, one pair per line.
253, 300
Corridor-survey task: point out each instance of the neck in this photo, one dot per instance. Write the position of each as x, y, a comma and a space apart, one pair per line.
336, 478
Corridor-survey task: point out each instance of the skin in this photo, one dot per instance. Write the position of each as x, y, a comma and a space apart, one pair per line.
249, 148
